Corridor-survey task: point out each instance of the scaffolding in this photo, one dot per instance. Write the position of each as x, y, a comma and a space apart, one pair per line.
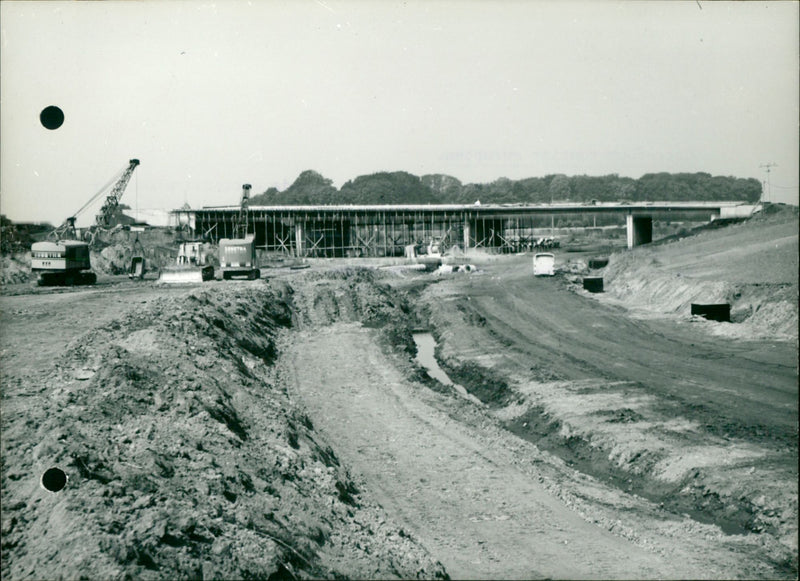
360, 231
383, 231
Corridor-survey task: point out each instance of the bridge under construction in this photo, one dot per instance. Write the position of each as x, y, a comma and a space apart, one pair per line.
340, 231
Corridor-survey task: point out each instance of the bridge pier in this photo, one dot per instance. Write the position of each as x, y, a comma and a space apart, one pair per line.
639, 230
298, 238
466, 233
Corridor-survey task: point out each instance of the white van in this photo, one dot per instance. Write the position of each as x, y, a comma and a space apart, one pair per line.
544, 264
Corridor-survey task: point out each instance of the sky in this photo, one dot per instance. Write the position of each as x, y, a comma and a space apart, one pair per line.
212, 95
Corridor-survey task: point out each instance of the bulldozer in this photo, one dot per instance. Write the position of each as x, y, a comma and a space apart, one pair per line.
190, 266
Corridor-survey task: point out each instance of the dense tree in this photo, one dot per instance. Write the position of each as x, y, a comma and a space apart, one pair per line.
310, 188
18, 237
266, 198
446, 188
404, 188
387, 188
559, 188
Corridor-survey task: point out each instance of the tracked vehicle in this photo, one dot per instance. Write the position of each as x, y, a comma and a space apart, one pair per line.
237, 255
64, 260
237, 258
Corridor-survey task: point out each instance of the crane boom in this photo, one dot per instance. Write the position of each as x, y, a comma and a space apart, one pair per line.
240, 227
237, 255
66, 261
106, 213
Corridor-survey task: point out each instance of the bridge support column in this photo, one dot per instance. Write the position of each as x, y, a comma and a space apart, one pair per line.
639, 229
298, 238
466, 233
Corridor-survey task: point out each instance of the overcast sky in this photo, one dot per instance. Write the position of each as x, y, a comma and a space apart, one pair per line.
210, 95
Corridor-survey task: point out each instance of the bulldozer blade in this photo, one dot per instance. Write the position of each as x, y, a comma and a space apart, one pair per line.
181, 276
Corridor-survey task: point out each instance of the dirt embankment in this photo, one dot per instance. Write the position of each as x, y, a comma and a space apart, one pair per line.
15, 268
703, 430
186, 458
190, 455
753, 266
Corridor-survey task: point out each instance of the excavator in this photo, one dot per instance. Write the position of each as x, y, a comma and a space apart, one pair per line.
64, 260
237, 255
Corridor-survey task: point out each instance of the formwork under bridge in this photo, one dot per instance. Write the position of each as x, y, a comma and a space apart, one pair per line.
353, 231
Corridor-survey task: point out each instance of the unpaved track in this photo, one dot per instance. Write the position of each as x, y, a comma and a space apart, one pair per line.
456, 488
733, 388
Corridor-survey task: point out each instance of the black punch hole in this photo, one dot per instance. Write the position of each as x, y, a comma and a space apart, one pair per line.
52, 117
54, 479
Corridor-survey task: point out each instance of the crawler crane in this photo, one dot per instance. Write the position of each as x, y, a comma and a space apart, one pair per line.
64, 260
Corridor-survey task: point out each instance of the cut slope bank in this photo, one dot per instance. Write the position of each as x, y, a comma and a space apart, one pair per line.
753, 266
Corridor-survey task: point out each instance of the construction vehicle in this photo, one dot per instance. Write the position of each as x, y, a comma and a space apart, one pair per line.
191, 265
237, 255
138, 265
64, 260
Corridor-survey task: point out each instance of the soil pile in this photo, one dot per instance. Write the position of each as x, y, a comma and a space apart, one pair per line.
185, 458
15, 268
113, 251
348, 294
753, 266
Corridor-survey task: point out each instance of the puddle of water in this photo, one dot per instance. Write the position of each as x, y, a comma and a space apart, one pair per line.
426, 345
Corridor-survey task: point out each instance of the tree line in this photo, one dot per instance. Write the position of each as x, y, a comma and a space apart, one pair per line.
311, 188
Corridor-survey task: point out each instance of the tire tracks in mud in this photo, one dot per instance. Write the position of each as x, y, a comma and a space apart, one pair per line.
672, 441
479, 516
483, 502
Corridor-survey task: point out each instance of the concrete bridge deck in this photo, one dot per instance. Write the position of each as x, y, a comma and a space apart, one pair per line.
384, 230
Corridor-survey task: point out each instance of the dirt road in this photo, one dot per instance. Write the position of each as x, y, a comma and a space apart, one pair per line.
491, 505
731, 388
456, 487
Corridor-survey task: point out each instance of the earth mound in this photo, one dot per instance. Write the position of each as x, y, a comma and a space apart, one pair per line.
185, 458
753, 266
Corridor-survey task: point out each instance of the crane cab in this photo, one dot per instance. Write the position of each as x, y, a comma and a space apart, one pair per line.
61, 263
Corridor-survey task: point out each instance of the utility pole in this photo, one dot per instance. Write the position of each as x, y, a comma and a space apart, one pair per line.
768, 168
